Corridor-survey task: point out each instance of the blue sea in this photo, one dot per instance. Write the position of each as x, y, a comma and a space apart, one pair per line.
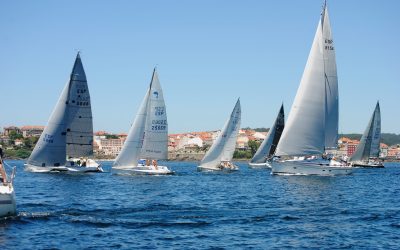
192, 210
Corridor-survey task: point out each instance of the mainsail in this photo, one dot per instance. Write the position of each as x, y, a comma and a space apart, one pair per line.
268, 146
224, 145
79, 116
370, 140
331, 84
147, 137
313, 120
155, 144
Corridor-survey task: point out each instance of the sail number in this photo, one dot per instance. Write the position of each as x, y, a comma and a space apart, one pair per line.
159, 111
158, 125
329, 44
48, 138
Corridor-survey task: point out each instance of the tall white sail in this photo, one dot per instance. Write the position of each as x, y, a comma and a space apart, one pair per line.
268, 146
79, 116
224, 145
148, 136
130, 153
331, 81
50, 150
155, 144
370, 140
307, 125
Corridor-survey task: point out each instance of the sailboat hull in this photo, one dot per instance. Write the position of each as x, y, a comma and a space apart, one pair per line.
72, 169
309, 167
221, 167
7, 200
260, 165
367, 165
142, 170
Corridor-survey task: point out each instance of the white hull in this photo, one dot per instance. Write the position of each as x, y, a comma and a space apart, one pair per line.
76, 162
309, 167
219, 168
7, 200
142, 170
72, 169
370, 164
260, 165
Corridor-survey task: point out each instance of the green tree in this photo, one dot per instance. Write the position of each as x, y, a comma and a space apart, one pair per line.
27, 143
242, 154
22, 153
253, 145
112, 137
205, 147
13, 136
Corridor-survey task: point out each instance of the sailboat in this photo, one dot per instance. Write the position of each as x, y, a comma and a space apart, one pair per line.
147, 139
263, 156
312, 125
219, 156
66, 143
7, 195
367, 152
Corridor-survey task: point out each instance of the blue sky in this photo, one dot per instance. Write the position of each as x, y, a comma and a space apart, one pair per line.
208, 54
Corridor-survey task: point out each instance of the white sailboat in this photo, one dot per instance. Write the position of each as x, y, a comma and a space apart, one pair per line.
312, 125
263, 156
367, 152
219, 156
7, 195
66, 143
147, 140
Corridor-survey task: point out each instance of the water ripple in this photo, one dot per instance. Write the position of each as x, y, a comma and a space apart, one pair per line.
191, 210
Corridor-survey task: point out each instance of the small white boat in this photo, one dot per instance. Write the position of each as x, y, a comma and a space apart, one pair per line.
312, 125
262, 158
142, 170
368, 164
68, 168
68, 135
219, 156
7, 195
226, 166
367, 151
147, 139
266, 164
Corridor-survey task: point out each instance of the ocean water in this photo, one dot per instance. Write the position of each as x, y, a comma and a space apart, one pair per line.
190, 210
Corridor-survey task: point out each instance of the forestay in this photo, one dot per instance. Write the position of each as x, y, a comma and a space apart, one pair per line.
130, 153
268, 146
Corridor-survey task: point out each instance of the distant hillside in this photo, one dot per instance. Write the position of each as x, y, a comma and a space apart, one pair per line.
257, 129
387, 138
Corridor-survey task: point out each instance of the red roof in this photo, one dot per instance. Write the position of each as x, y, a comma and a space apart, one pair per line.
32, 127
